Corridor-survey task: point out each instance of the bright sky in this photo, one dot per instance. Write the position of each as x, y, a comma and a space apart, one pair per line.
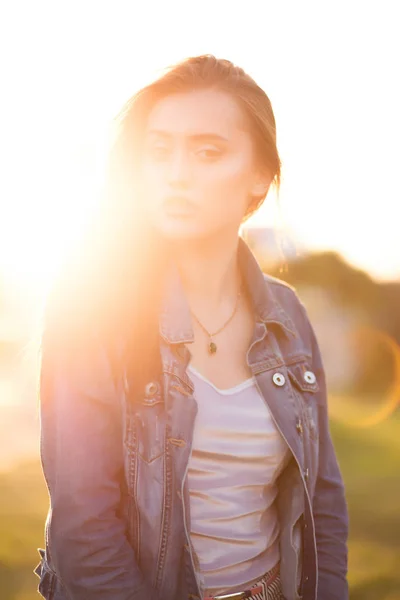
330, 69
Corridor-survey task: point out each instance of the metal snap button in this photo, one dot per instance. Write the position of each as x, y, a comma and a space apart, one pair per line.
309, 376
151, 388
299, 427
306, 474
278, 379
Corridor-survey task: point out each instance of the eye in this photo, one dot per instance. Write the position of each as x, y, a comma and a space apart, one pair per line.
209, 153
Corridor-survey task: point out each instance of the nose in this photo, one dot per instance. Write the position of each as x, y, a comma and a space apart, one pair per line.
178, 168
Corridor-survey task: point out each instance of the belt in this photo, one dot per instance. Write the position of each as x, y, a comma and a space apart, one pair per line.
269, 579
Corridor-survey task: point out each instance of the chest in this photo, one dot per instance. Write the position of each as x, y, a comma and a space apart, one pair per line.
162, 421
234, 438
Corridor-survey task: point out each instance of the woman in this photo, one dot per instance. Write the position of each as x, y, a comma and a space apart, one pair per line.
185, 438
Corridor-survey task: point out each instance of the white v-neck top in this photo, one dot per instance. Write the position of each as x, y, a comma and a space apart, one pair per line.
237, 454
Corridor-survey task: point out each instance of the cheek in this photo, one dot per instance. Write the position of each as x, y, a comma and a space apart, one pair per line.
149, 176
152, 184
227, 182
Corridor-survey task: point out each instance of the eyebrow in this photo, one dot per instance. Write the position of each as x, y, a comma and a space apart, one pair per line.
198, 137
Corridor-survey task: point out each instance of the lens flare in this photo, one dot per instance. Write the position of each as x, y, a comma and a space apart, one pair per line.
391, 398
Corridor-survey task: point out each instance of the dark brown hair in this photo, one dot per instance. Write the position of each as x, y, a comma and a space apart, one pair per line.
110, 289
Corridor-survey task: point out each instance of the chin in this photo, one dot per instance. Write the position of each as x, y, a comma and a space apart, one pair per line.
182, 229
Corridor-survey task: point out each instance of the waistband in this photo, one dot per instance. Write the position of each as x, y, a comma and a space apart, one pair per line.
261, 587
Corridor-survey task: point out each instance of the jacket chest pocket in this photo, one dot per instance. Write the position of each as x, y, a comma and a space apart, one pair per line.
150, 423
305, 388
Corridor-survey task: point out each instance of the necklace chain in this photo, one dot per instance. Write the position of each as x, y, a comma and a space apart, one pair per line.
212, 346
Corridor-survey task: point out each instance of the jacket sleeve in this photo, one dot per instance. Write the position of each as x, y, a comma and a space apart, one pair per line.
329, 503
82, 460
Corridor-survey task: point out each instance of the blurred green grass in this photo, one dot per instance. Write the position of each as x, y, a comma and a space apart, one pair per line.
370, 463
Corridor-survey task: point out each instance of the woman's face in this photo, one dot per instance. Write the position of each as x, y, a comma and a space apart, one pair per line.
199, 167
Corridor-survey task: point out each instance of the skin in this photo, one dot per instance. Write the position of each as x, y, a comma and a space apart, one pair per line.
198, 146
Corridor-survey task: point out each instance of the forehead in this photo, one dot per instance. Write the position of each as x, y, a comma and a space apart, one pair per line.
186, 113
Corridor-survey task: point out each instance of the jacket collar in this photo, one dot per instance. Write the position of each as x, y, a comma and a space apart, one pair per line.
175, 318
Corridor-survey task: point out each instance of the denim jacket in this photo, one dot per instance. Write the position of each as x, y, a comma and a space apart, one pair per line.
118, 526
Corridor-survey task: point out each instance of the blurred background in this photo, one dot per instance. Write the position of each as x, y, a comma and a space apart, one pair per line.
331, 72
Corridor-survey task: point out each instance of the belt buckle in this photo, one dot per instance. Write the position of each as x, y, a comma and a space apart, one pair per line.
234, 596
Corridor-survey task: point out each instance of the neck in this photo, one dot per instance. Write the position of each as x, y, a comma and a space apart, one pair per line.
210, 273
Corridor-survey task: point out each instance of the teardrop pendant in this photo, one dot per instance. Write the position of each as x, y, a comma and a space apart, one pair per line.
212, 348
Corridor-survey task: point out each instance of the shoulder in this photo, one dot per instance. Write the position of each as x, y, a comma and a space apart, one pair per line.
278, 283
284, 293
287, 298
